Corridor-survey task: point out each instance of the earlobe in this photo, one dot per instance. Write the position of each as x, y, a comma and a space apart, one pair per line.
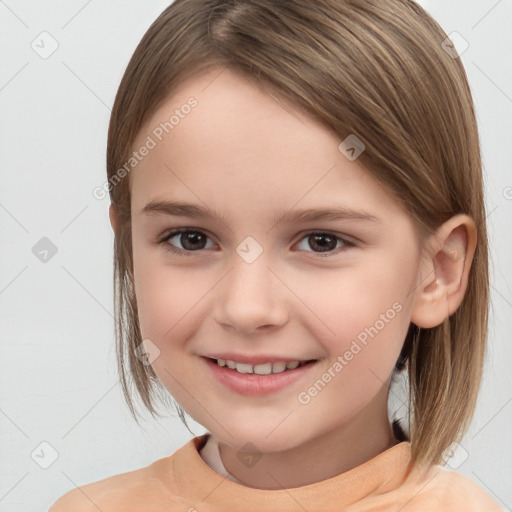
445, 272
114, 222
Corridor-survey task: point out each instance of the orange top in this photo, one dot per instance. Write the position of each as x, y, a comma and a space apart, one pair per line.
184, 482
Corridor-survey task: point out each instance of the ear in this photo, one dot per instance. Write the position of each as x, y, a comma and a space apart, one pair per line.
114, 221
445, 270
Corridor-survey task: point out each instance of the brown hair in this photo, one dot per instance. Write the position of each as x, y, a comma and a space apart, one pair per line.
377, 69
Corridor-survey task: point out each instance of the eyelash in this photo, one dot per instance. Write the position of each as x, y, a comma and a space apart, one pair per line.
168, 247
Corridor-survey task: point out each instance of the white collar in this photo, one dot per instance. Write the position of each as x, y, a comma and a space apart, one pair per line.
211, 456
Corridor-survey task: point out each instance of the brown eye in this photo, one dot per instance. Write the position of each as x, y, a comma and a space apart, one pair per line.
322, 242
326, 243
184, 242
188, 239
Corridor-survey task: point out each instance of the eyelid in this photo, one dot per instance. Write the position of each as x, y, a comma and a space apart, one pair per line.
170, 233
341, 236
163, 240
347, 241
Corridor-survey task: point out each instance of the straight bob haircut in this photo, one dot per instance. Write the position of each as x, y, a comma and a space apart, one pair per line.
379, 69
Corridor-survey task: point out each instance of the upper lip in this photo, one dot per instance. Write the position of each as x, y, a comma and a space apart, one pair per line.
254, 359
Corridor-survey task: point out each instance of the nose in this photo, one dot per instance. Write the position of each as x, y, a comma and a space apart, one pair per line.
250, 298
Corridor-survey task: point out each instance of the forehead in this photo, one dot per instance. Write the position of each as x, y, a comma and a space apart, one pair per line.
219, 135
233, 118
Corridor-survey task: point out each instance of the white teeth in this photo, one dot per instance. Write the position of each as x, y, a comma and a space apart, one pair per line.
263, 369
244, 368
260, 369
278, 367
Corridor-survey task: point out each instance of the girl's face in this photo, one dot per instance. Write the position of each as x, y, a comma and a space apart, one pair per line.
258, 282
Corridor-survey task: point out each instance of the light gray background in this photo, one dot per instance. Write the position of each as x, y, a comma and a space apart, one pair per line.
58, 377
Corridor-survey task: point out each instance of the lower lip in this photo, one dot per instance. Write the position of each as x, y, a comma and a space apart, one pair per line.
254, 384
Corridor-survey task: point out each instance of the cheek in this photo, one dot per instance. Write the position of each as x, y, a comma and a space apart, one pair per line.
169, 302
370, 321
369, 311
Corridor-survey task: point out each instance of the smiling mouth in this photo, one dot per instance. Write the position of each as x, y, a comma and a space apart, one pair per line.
262, 369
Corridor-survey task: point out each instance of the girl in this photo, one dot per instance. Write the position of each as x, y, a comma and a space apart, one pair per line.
296, 196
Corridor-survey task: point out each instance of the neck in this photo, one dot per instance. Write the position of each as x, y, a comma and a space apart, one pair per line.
325, 456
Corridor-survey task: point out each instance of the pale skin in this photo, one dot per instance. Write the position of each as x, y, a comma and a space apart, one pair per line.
242, 154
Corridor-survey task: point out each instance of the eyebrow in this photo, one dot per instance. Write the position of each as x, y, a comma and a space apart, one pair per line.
181, 209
